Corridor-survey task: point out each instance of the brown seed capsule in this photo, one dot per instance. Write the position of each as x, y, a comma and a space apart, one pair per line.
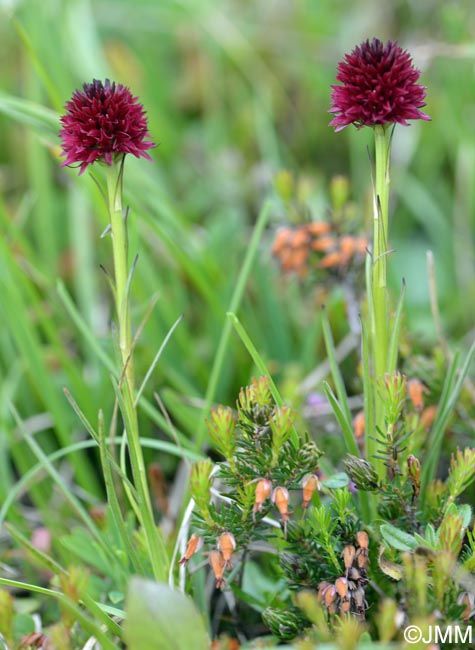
193, 546
341, 585
299, 259
218, 563
322, 587
360, 601
310, 483
414, 467
362, 559
330, 261
354, 574
318, 227
428, 416
226, 544
347, 248
362, 539
349, 553
323, 244
35, 641
468, 600
345, 606
414, 471
287, 260
358, 425
263, 490
416, 390
333, 607
280, 497
299, 237
361, 245
330, 595
281, 240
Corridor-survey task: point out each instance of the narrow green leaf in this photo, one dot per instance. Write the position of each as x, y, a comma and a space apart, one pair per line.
113, 500
111, 367
90, 429
350, 442
368, 393
450, 392
42, 558
77, 612
335, 370
156, 548
83, 328
38, 470
398, 538
396, 330
234, 305
343, 419
156, 359
56, 476
256, 357
30, 114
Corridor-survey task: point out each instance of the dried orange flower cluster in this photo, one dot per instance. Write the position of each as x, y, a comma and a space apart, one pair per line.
280, 496
347, 594
220, 557
263, 491
316, 245
193, 546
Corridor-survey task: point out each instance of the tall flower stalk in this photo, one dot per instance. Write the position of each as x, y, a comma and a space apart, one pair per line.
103, 124
380, 297
378, 89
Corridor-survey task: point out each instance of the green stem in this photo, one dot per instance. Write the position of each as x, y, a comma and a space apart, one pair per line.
120, 255
380, 329
154, 542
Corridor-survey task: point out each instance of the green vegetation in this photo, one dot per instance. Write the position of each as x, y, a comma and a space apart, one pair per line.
237, 98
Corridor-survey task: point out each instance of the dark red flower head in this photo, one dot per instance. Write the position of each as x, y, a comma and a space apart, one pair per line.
102, 121
379, 87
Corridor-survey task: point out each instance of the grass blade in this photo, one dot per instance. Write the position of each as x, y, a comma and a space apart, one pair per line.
23, 482
58, 479
156, 359
342, 419
335, 371
226, 331
256, 357
450, 392
394, 339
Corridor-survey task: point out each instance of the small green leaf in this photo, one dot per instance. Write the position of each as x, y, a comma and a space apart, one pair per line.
464, 511
422, 541
336, 481
115, 597
23, 624
160, 618
431, 535
398, 538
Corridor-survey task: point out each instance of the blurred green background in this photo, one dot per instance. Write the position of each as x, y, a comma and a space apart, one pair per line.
235, 91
